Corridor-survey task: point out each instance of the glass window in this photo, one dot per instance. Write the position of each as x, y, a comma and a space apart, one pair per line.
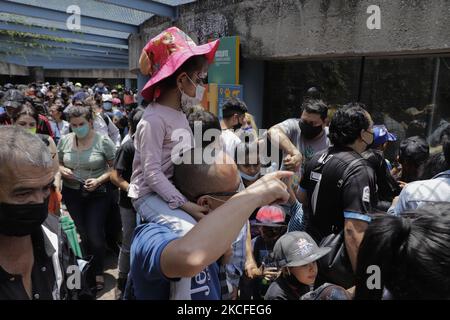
287, 82
410, 95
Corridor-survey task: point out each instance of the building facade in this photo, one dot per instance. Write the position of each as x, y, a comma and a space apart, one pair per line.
394, 56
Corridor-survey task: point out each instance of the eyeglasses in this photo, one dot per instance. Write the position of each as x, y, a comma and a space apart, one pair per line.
202, 77
217, 195
222, 194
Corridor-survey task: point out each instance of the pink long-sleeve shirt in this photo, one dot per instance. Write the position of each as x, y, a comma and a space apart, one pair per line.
154, 141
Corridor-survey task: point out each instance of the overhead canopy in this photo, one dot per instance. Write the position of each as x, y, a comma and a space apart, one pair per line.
36, 32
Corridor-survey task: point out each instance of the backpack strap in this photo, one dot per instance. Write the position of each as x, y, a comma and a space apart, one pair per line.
105, 118
347, 171
59, 276
316, 175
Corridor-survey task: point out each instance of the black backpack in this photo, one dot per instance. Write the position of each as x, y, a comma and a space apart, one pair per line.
335, 267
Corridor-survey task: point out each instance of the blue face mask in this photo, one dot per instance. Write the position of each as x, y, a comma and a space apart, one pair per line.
82, 131
250, 178
107, 106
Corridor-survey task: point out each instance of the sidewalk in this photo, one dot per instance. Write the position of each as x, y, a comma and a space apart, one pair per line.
111, 274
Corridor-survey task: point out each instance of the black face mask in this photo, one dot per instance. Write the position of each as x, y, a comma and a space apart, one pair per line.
19, 220
237, 126
309, 131
369, 145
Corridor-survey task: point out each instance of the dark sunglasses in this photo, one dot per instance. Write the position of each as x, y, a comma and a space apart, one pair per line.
218, 195
221, 194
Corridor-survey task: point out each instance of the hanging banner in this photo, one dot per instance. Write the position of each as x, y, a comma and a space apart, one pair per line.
225, 69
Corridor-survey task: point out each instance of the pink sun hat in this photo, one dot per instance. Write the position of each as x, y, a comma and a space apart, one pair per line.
165, 53
116, 101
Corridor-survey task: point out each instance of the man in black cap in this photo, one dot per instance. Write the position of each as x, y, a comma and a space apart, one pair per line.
11, 100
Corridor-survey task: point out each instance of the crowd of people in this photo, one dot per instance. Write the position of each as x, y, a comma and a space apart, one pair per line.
310, 223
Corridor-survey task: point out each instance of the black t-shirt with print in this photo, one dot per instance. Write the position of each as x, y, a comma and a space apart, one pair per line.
339, 197
261, 253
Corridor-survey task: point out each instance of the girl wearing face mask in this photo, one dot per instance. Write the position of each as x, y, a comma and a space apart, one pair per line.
247, 158
27, 117
177, 67
85, 161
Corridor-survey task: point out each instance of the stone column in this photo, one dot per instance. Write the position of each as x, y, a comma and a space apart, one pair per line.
37, 74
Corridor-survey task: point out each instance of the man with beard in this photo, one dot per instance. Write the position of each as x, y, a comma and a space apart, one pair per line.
300, 139
233, 112
340, 185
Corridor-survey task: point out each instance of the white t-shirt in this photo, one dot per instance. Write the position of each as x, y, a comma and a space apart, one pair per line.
230, 141
60, 129
107, 129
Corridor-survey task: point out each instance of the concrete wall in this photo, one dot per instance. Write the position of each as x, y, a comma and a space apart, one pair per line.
13, 69
91, 73
38, 74
292, 29
306, 29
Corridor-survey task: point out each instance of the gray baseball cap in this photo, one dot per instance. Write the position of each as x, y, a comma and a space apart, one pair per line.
13, 98
295, 249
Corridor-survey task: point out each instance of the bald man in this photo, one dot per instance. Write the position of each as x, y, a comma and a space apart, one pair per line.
168, 265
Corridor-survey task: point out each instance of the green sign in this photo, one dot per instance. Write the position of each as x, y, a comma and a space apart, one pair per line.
225, 69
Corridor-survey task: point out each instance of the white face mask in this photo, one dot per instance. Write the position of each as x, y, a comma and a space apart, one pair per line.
248, 177
188, 101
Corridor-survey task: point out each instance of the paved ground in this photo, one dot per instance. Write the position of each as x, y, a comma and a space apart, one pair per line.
111, 274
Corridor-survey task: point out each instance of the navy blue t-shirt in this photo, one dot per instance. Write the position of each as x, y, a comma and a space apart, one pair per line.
147, 282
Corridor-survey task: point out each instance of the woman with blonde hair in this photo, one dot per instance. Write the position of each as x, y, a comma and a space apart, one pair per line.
248, 128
